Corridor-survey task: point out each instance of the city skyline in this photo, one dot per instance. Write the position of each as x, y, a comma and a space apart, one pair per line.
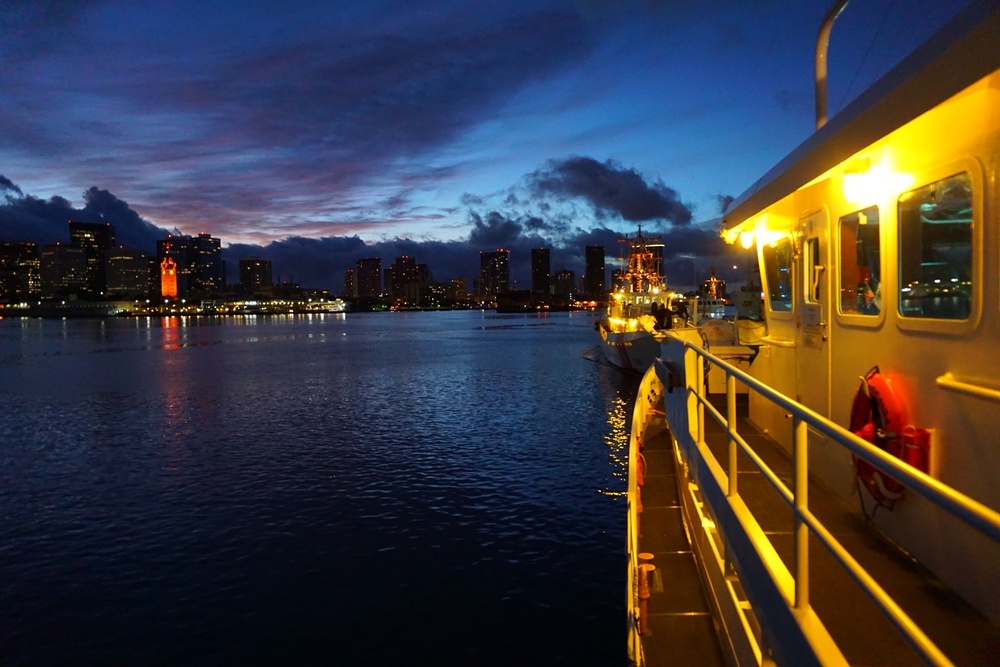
320, 133
91, 264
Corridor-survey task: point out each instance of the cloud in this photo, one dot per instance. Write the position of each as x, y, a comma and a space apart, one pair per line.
299, 116
28, 218
612, 190
508, 219
8, 185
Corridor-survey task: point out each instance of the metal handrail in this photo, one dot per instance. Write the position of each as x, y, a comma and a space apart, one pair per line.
899, 618
967, 509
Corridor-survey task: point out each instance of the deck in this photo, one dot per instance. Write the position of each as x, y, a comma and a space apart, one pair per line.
681, 630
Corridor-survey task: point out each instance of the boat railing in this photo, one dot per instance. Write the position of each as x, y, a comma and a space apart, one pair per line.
684, 368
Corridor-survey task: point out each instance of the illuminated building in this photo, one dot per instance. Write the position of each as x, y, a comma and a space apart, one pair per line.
128, 273
206, 268
593, 279
20, 271
541, 272
200, 269
564, 283
460, 289
494, 272
255, 276
63, 270
350, 283
168, 278
95, 239
404, 281
369, 277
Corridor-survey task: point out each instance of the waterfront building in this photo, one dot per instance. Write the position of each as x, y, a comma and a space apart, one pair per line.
565, 283
369, 277
198, 260
593, 278
206, 269
128, 273
494, 272
168, 278
350, 283
63, 270
617, 279
403, 279
20, 271
95, 239
541, 272
460, 290
255, 276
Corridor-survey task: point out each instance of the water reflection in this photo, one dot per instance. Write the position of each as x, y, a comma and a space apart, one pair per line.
619, 391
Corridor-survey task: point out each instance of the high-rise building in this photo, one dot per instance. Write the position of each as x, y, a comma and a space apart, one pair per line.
404, 279
459, 289
564, 283
198, 260
207, 272
168, 278
20, 271
350, 283
63, 270
96, 239
541, 272
594, 276
255, 276
128, 273
494, 272
369, 277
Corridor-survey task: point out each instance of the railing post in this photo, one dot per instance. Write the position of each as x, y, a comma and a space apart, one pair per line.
731, 422
701, 394
800, 462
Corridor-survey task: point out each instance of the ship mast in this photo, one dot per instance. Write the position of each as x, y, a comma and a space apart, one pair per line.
642, 273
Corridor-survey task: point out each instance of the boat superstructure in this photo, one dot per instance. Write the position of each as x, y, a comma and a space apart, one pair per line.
638, 308
876, 383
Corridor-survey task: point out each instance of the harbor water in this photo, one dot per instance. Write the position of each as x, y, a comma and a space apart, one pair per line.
369, 489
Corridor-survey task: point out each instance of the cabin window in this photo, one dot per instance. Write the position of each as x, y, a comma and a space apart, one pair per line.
813, 272
860, 263
778, 274
935, 250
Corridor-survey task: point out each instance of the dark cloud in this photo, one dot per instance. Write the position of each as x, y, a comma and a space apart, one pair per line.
131, 229
725, 201
8, 185
321, 262
611, 189
323, 108
28, 218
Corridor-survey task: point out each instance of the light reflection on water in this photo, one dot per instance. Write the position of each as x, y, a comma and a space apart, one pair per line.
302, 489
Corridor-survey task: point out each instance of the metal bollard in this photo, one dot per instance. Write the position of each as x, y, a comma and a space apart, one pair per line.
644, 570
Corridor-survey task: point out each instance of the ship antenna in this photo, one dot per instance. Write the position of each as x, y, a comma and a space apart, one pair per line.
822, 45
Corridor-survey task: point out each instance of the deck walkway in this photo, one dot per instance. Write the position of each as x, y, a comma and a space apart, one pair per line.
681, 630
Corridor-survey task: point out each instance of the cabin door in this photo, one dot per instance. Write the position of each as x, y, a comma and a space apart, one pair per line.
813, 319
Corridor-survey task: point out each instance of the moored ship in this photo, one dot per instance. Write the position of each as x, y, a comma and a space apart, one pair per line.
638, 309
839, 495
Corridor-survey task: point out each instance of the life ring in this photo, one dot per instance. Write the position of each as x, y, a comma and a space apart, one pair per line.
879, 416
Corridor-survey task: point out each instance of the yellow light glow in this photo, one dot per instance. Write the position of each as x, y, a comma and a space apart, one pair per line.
864, 183
746, 239
731, 234
770, 237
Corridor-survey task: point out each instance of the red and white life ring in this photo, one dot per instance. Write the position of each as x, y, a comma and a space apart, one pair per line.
878, 414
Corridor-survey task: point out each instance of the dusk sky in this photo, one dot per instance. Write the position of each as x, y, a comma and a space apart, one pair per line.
318, 133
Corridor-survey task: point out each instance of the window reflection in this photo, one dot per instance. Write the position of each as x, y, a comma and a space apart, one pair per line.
778, 274
935, 250
860, 263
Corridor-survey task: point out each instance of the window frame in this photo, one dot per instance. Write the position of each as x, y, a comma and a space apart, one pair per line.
973, 168
862, 319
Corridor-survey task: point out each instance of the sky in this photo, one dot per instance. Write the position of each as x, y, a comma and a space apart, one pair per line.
318, 133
